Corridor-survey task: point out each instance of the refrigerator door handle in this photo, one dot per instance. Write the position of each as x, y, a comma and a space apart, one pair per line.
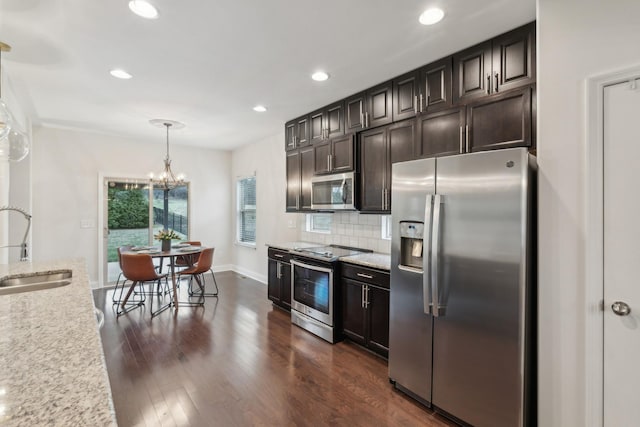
426, 288
435, 246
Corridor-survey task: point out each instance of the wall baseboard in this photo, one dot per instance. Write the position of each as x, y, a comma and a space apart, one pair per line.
250, 274
216, 269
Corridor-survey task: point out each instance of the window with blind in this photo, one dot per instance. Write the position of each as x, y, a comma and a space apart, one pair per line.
247, 210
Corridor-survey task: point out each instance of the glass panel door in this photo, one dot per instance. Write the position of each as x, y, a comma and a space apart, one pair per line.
134, 212
127, 217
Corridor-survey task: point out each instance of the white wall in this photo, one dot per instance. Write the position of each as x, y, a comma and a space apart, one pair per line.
15, 181
66, 165
267, 159
576, 39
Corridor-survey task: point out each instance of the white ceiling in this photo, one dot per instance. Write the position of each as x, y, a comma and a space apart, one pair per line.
208, 62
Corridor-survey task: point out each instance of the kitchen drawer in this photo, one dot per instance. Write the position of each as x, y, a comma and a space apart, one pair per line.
279, 255
363, 274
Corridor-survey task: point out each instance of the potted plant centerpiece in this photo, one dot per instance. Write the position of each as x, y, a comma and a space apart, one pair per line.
165, 237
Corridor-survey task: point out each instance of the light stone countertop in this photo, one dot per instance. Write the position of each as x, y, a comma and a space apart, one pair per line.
286, 246
375, 260
52, 368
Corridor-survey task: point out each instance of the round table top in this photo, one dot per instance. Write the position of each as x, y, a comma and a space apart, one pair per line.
156, 252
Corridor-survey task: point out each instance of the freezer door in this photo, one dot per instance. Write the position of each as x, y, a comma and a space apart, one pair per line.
478, 357
411, 326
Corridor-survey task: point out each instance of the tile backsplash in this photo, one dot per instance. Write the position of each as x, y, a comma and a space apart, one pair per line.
349, 229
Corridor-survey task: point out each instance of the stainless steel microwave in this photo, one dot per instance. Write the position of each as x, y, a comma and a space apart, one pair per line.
333, 192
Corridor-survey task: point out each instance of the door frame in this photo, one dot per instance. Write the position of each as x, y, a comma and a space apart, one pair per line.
594, 242
102, 214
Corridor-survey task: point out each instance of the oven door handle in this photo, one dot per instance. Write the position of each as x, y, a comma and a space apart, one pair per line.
311, 267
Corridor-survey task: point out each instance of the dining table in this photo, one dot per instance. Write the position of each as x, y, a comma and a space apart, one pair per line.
187, 252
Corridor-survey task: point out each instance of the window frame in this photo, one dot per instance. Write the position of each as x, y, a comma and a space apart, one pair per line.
310, 220
385, 227
240, 210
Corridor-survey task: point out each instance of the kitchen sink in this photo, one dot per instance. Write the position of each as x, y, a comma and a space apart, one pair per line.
34, 282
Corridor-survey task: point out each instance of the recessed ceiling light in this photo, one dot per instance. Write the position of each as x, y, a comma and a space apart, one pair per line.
260, 108
143, 8
431, 16
120, 74
320, 76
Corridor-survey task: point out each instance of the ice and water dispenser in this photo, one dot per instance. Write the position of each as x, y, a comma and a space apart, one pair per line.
411, 244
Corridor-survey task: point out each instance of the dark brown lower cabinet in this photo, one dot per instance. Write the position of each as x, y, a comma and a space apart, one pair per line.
365, 309
279, 278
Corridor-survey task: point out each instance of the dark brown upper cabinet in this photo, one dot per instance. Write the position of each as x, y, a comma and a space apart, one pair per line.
327, 122
334, 156
441, 133
379, 148
297, 133
290, 131
503, 120
299, 168
425, 90
503, 63
369, 109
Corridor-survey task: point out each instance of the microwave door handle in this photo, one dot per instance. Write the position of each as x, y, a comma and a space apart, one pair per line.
344, 191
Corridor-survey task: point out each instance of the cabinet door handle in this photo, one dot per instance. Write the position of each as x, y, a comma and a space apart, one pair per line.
497, 79
362, 297
279, 271
488, 83
415, 104
366, 276
366, 119
362, 120
461, 146
297, 201
366, 296
421, 103
467, 137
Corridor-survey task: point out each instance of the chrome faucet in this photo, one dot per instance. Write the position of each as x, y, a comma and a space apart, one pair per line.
24, 255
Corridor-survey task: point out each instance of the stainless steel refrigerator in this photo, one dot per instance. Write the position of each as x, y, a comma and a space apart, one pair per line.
463, 294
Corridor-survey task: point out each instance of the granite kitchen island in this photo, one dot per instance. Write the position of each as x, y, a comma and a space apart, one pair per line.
52, 369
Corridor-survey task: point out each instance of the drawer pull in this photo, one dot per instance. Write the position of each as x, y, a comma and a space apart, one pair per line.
366, 276
278, 256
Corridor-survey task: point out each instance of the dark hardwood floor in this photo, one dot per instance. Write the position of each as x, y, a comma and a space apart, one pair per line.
239, 362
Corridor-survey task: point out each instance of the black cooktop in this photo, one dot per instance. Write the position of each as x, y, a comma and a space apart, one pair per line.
330, 252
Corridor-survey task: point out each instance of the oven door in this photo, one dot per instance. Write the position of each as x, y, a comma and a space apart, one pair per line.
312, 291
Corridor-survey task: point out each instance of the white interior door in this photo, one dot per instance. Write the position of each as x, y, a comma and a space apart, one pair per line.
621, 254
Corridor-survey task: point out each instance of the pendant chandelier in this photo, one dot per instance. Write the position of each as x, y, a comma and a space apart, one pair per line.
14, 145
167, 180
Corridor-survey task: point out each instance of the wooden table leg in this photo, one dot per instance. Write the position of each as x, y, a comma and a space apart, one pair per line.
175, 285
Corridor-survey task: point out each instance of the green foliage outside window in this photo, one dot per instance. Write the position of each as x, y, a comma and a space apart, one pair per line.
128, 208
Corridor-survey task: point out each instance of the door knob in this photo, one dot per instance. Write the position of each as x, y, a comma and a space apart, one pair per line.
621, 308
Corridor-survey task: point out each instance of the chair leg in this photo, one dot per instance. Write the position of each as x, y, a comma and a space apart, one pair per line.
164, 293
115, 290
201, 282
123, 307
